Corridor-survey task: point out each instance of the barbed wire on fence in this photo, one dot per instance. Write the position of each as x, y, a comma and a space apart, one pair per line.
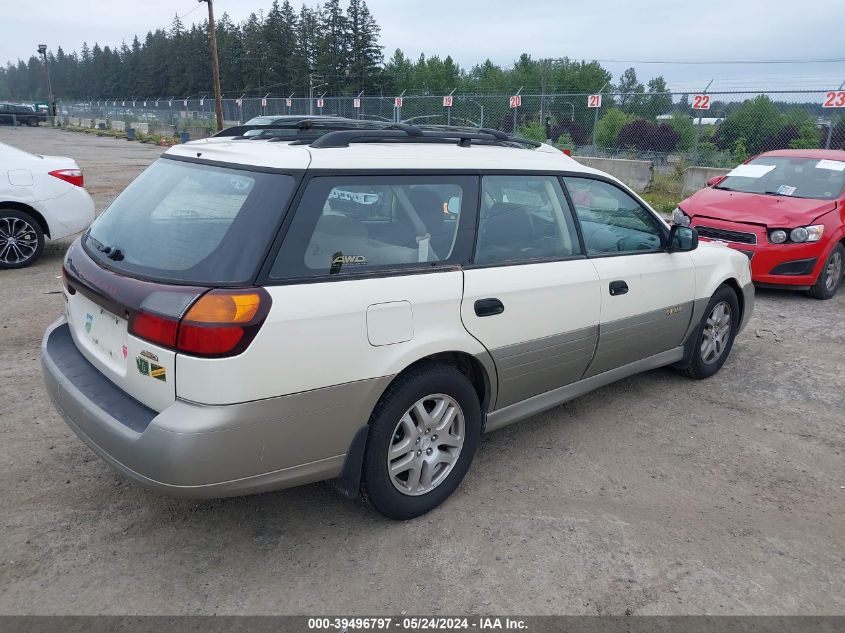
663, 127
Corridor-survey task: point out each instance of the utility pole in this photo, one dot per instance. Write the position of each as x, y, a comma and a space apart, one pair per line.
42, 48
215, 67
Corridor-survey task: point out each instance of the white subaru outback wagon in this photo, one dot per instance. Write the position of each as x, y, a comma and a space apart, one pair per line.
250, 315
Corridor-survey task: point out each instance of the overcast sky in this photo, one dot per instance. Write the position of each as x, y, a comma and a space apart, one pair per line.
473, 30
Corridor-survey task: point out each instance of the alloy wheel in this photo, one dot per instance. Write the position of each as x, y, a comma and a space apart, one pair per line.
834, 271
426, 444
717, 333
18, 240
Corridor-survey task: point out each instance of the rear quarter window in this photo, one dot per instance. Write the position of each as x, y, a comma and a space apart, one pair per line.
364, 224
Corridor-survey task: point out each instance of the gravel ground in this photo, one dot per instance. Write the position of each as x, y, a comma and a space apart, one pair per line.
657, 495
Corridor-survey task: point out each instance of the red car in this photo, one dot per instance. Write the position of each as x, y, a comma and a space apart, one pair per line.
786, 211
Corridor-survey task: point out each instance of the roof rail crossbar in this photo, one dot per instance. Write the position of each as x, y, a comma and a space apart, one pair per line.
497, 133
302, 125
410, 130
395, 133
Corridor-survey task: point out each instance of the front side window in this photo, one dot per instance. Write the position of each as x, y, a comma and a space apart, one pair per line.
611, 220
524, 218
347, 225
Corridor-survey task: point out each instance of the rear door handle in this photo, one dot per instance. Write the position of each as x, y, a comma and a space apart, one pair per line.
618, 288
488, 307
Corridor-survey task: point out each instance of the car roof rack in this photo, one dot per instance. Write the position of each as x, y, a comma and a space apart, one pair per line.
402, 132
303, 125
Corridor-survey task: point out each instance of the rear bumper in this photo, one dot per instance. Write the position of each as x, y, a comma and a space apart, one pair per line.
205, 451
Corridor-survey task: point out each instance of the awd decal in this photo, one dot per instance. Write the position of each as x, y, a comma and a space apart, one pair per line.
340, 260
674, 310
146, 368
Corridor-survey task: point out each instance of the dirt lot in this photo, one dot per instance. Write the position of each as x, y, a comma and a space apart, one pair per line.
657, 495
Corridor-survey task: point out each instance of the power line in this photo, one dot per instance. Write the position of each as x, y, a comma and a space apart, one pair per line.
820, 60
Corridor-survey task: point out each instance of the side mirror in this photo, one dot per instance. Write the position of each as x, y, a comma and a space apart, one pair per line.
682, 239
715, 180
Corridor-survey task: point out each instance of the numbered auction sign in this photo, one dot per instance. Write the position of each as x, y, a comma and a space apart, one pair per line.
594, 101
701, 102
202, 101
516, 101
834, 99
320, 103
398, 102
169, 104
185, 103
263, 102
447, 101
356, 103
239, 101
288, 102
122, 104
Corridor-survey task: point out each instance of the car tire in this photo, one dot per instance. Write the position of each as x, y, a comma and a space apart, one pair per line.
714, 337
426, 426
31, 122
21, 239
830, 277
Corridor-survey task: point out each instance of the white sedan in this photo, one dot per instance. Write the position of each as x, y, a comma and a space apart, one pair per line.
40, 197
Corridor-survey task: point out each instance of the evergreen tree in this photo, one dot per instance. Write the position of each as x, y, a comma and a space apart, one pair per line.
365, 54
332, 50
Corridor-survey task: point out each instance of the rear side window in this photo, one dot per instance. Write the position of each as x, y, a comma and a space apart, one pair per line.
347, 225
191, 223
524, 218
611, 220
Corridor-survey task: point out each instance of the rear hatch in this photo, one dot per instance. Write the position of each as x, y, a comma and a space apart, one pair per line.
179, 231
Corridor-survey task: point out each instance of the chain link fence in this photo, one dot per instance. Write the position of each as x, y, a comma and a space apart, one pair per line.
664, 128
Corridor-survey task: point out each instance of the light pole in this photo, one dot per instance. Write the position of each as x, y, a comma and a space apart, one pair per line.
311, 88
42, 48
215, 67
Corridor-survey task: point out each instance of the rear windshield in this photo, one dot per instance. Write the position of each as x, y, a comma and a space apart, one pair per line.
191, 223
822, 179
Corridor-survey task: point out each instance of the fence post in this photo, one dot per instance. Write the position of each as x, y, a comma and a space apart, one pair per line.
698, 130
596, 119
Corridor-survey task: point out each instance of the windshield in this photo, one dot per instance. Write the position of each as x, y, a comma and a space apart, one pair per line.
191, 223
798, 177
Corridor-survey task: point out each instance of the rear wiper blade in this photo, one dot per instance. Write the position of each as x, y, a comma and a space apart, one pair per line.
112, 252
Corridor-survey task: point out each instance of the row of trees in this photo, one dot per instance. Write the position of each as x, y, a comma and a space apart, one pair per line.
273, 52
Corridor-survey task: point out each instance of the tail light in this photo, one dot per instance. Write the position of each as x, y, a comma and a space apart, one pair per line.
73, 176
66, 282
219, 323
